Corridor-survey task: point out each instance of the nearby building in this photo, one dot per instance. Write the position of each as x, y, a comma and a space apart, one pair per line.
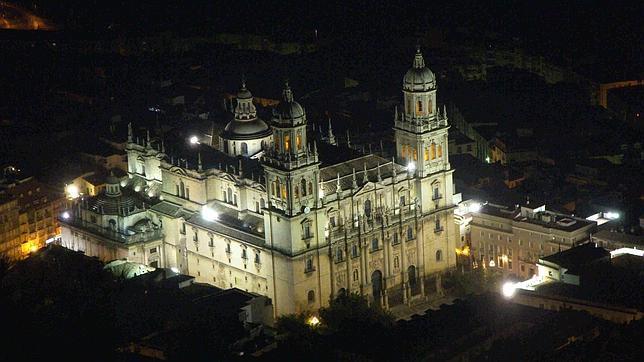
605, 284
613, 240
37, 206
9, 227
287, 218
513, 238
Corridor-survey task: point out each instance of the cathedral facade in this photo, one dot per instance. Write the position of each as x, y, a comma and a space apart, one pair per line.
275, 213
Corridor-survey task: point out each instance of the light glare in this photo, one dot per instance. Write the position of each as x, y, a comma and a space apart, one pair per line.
65, 215
194, 140
72, 191
612, 215
508, 289
208, 214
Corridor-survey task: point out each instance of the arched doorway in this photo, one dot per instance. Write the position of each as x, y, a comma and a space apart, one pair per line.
376, 285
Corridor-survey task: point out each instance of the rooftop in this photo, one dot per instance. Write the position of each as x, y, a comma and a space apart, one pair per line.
536, 215
575, 259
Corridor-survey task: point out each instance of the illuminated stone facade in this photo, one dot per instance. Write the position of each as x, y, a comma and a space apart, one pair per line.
305, 221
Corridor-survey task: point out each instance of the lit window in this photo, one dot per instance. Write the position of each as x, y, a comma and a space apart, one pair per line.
298, 140
419, 107
426, 154
432, 151
440, 151
287, 142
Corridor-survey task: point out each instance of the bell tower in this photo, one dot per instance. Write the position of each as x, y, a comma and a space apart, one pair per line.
421, 136
292, 173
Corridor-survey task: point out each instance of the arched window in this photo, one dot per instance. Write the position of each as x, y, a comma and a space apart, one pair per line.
230, 195
374, 244
432, 151
297, 191
311, 296
273, 186
419, 107
438, 224
338, 254
244, 149
284, 192
355, 275
426, 154
277, 142
310, 188
408, 105
287, 142
182, 187
403, 151
256, 207
298, 140
395, 238
411, 276
413, 150
439, 255
112, 224
440, 151
396, 262
262, 203
303, 187
177, 189
309, 264
367, 208
437, 194
410, 233
354, 250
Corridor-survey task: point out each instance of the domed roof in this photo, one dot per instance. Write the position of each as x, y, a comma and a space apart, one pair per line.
242, 128
245, 124
289, 111
419, 77
244, 93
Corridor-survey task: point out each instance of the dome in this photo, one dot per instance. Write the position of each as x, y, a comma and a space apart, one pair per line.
419, 77
245, 129
289, 111
244, 93
245, 124
113, 205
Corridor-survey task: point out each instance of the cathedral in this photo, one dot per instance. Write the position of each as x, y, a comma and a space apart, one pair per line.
275, 213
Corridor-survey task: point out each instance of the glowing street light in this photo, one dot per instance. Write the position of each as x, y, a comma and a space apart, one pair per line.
508, 289
313, 321
611, 215
194, 140
65, 215
72, 191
